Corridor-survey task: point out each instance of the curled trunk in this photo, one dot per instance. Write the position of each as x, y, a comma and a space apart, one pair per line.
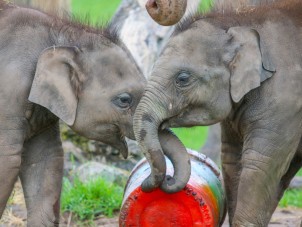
154, 143
166, 12
145, 130
178, 155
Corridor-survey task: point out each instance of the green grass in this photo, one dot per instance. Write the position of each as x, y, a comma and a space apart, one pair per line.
89, 200
96, 11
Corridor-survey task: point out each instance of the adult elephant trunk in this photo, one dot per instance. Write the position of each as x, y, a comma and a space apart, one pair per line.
166, 12
154, 143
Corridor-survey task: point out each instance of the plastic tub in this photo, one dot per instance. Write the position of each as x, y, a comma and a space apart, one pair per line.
200, 203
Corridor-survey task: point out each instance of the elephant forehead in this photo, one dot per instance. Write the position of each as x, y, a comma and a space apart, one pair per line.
191, 50
201, 37
111, 66
194, 43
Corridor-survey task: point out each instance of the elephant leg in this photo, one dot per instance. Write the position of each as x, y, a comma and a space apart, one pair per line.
11, 145
266, 158
41, 177
231, 166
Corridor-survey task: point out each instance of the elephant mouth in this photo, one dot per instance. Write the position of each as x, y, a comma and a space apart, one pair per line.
122, 146
119, 142
112, 135
189, 118
179, 120
177, 123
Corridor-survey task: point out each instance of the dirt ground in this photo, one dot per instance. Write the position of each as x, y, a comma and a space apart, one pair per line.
15, 216
283, 217
289, 217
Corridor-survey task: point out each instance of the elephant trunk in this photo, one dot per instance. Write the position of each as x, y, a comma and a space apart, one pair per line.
178, 155
145, 127
154, 143
166, 12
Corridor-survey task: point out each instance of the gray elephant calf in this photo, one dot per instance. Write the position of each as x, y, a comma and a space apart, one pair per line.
243, 69
55, 69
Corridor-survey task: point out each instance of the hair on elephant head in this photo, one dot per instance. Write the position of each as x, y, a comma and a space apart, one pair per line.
224, 68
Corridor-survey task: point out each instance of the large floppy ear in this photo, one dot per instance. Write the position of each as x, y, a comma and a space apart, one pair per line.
251, 64
56, 80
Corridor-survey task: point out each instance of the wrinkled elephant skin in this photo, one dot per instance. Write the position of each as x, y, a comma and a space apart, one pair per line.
248, 77
55, 69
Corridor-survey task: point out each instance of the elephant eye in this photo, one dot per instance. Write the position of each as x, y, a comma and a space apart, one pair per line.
183, 79
123, 100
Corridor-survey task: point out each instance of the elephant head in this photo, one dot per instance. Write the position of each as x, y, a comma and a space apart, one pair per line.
166, 12
201, 75
94, 90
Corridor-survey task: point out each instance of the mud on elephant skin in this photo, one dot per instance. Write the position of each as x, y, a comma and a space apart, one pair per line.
55, 69
243, 69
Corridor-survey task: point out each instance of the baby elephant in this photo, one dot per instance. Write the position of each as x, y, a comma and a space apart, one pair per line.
55, 69
243, 69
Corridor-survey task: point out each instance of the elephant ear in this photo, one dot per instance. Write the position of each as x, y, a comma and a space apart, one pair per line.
252, 63
54, 85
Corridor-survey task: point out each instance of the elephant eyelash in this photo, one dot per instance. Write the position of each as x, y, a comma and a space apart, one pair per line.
123, 101
186, 81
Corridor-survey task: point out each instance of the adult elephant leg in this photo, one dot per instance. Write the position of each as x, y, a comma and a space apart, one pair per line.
265, 160
11, 143
231, 165
41, 177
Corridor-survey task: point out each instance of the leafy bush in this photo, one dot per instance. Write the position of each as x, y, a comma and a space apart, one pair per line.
193, 138
291, 197
205, 6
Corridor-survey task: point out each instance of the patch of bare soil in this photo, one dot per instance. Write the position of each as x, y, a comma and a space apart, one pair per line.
283, 217
15, 216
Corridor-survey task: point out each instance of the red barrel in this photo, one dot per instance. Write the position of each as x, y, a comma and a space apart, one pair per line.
200, 203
